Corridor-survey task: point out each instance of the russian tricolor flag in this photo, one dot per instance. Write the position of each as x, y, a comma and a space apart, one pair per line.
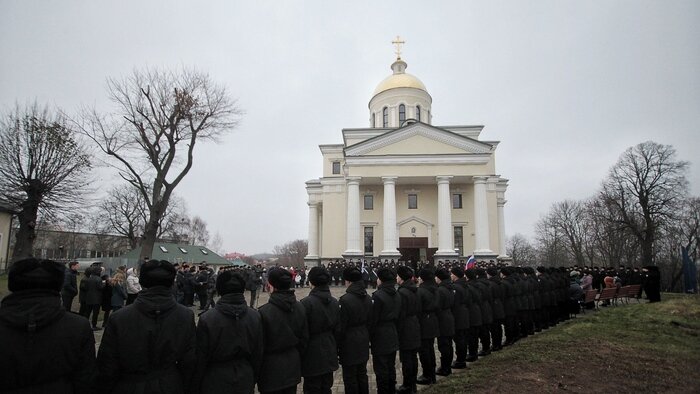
471, 262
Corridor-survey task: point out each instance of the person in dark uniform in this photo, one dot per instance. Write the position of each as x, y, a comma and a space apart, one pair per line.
320, 358
353, 334
651, 282
70, 285
140, 350
229, 341
408, 329
475, 315
429, 325
44, 348
509, 305
482, 284
384, 335
499, 314
446, 301
202, 283
460, 311
285, 336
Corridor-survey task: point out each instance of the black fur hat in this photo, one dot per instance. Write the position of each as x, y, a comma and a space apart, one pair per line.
32, 273
427, 274
319, 276
457, 271
280, 278
442, 274
404, 272
230, 281
352, 274
157, 273
386, 275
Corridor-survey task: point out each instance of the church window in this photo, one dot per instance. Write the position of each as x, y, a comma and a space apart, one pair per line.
459, 240
418, 113
369, 202
336, 167
374, 124
369, 241
385, 117
457, 201
402, 114
412, 201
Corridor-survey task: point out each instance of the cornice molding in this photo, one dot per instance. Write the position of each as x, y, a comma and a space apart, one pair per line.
443, 136
418, 160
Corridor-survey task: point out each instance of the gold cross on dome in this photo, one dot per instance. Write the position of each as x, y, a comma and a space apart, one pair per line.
398, 42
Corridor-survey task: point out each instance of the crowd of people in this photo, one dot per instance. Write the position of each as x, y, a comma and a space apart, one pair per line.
153, 345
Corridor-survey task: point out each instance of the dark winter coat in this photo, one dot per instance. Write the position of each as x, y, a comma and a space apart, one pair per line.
107, 296
498, 292
286, 334
408, 325
353, 334
460, 309
44, 348
386, 308
509, 303
118, 294
70, 283
323, 318
429, 325
446, 301
475, 316
93, 290
486, 300
229, 347
148, 346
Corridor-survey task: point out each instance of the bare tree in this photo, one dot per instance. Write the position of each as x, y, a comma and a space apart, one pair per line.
159, 117
124, 211
569, 217
292, 253
43, 167
646, 188
216, 244
198, 232
521, 250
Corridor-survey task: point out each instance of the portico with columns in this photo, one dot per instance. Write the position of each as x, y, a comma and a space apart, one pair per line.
405, 189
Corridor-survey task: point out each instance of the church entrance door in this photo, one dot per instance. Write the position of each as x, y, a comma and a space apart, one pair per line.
414, 249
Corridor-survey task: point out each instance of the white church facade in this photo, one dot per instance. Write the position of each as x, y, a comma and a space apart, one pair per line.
405, 189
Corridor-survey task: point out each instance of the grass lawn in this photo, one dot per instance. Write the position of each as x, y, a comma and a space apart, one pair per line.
649, 348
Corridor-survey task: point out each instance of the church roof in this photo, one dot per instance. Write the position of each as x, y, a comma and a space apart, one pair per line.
447, 136
399, 79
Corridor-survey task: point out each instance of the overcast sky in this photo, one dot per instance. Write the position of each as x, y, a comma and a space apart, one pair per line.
566, 86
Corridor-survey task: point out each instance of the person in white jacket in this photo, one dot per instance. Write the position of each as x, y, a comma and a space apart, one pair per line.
133, 287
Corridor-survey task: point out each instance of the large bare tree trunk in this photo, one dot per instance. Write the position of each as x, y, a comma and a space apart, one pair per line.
27, 228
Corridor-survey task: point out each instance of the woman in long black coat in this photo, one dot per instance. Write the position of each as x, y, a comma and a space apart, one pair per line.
229, 341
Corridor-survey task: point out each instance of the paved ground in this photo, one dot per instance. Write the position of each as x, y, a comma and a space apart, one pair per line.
338, 379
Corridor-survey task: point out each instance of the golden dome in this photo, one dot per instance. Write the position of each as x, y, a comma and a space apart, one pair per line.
399, 79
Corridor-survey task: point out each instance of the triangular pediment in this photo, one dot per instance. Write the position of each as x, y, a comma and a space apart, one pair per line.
418, 139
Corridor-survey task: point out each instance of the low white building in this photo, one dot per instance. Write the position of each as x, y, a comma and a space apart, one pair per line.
6, 215
403, 188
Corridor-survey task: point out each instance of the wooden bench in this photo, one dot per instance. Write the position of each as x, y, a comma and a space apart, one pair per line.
588, 297
607, 294
622, 294
634, 292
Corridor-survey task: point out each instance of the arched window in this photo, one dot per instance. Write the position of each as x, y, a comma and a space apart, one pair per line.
385, 115
418, 113
374, 124
402, 114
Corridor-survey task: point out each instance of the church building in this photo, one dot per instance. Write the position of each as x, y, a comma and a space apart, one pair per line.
405, 189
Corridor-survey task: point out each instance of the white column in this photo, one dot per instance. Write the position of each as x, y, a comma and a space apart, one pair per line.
445, 235
481, 217
313, 231
352, 234
501, 229
391, 242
